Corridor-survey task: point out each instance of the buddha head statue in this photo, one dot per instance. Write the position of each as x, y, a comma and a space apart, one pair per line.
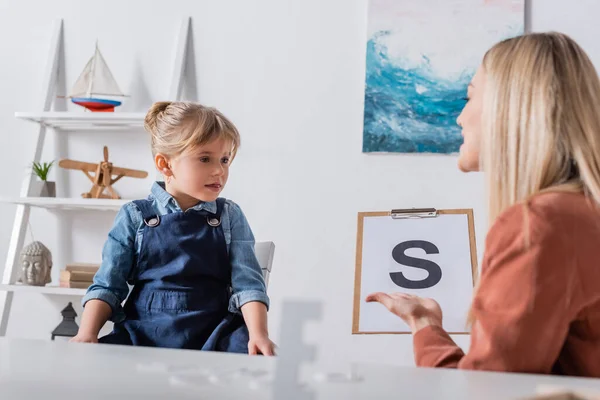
36, 264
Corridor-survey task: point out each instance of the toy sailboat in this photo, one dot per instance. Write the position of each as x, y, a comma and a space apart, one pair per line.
96, 79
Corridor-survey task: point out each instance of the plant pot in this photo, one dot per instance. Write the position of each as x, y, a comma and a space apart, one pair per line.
43, 189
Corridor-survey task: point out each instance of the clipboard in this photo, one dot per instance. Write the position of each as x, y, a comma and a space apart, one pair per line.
400, 214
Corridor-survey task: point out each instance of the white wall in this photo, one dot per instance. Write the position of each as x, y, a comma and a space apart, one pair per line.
290, 74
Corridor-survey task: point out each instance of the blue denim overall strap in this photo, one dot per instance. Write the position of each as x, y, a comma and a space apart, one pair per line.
182, 285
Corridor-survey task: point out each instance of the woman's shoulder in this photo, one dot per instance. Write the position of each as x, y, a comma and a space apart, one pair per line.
544, 217
550, 208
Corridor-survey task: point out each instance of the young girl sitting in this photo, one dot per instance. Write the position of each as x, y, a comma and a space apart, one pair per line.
188, 254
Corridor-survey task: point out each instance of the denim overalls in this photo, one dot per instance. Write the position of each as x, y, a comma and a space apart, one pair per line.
182, 289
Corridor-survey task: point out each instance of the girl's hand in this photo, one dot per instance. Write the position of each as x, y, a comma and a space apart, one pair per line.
84, 338
416, 311
261, 345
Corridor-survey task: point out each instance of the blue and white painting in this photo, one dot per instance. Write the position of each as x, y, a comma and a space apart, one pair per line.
421, 55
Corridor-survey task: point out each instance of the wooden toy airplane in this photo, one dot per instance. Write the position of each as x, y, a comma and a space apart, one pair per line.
102, 180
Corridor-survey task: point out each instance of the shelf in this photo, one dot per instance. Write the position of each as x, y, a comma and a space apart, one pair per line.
85, 120
67, 203
55, 290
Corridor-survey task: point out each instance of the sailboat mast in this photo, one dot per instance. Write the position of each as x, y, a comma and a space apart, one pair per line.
92, 72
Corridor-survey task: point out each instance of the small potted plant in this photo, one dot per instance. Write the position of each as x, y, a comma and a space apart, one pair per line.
43, 188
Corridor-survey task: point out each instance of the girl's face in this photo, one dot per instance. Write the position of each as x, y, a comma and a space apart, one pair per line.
199, 174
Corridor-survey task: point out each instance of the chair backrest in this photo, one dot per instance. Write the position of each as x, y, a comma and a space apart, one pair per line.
264, 253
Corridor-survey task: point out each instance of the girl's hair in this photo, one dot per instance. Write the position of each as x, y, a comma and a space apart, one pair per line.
540, 120
540, 123
179, 126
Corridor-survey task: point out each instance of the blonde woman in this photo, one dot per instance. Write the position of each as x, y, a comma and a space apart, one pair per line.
532, 125
188, 253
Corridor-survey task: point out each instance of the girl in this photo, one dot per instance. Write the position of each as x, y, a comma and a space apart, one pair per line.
188, 254
531, 124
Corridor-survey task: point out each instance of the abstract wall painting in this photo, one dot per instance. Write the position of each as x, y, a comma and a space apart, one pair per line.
421, 56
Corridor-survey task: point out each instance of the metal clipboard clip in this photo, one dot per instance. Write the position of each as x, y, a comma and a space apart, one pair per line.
414, 213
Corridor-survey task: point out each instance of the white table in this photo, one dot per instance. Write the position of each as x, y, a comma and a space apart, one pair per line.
47, 370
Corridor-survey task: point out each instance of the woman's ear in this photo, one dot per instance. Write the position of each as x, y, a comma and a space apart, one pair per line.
162, 164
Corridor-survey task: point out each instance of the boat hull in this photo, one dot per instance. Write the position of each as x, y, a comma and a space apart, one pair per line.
96, 105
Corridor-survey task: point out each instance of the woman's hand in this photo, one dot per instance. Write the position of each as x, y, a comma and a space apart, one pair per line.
416, 311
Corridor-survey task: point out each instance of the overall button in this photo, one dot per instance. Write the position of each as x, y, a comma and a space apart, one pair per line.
152, 222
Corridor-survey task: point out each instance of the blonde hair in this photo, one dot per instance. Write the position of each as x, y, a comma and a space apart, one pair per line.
540, 120
540, 123
179, 126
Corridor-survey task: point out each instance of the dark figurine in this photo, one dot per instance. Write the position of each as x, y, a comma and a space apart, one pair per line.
68, 327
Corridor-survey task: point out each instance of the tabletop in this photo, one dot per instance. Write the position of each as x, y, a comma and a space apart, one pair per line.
32, 369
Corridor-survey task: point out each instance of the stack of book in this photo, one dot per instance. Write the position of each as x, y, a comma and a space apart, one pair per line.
78, 275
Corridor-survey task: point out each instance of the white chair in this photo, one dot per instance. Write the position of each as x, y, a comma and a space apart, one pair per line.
264, 253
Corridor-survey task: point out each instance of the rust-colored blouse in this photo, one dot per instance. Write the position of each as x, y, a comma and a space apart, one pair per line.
537, 308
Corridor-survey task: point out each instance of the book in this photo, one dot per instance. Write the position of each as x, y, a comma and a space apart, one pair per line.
75, 285
85, 267
77, 276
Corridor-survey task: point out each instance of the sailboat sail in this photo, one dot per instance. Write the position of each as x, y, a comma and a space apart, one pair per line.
83, 82
96, 79
104, 83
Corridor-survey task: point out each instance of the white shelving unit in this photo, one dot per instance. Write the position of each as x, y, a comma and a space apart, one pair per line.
75, 122
66, 203
66, 121
49, 290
